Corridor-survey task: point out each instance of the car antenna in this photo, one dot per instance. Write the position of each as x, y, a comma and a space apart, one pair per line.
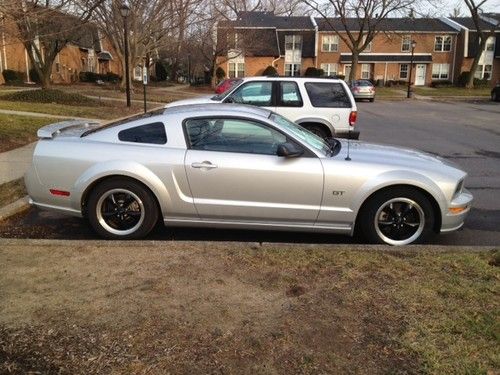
348, 144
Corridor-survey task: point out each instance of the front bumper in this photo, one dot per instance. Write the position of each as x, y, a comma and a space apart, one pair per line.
453, 221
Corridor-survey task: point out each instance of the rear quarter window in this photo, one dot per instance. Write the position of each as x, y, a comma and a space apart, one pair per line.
328, 94
149, 133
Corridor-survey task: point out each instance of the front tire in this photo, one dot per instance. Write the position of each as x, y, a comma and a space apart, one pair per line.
398, 216
494, 96
122, 208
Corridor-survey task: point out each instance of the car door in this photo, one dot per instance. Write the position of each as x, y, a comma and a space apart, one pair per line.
289, 101
258, 93
234, 173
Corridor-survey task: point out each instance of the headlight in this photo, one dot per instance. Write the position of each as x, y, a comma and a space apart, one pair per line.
458, 189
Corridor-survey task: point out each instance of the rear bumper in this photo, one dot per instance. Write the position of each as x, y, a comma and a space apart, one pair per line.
451, 221
364, 95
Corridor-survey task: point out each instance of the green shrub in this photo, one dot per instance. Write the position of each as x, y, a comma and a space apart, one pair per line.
312, 72
13, 76
94, 77
270, 71
161, 72
220, 73
49, 96
34, 77
437, 84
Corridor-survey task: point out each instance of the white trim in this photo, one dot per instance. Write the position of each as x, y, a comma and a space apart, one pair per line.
388, 54
396, 31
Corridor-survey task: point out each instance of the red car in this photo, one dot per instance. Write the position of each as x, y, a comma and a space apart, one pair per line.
226, 85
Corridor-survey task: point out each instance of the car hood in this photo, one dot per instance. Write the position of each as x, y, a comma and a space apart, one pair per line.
393, 155
197, 100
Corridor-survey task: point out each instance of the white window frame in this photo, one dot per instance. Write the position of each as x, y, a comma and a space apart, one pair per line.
369, 46
440, 71
293, 71
296, 42
481, 70
441, 46
406, 71
330, 69
331, 42
237, 71
406, 42
366, 70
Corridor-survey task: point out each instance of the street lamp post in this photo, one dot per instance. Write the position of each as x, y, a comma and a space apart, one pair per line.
125, 11
413, 45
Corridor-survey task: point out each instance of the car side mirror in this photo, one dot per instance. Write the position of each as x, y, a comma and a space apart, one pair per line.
289, 150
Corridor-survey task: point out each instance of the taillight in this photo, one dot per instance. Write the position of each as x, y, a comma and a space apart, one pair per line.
353, 117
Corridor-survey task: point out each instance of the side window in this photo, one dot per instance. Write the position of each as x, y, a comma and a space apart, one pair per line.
150, 133
330, 95
255, 93
233, 135
290, 95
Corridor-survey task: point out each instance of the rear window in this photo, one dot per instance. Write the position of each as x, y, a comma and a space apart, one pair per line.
328, 94
150, 133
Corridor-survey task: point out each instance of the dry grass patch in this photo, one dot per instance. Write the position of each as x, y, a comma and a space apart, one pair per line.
240, 308
12, 191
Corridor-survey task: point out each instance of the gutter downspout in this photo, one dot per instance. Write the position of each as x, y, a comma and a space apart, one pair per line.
316, 39
454, 56
279, 52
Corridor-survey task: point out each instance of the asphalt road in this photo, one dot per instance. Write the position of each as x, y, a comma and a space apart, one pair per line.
467, 133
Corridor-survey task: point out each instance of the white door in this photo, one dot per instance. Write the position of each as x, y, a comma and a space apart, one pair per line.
347, 72
420, 75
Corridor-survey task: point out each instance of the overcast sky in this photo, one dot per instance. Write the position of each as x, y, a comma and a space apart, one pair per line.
445, 7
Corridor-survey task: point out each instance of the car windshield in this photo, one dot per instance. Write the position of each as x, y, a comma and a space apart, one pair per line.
304, 135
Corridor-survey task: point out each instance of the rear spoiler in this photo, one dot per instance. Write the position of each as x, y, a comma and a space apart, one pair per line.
49, 131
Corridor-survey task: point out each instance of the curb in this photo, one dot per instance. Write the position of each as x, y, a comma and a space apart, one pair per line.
14, 208
409, 249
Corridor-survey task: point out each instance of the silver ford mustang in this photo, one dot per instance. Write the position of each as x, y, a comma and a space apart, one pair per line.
237, 166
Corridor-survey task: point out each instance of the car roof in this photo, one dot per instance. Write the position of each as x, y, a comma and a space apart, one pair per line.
281, 78
219, 108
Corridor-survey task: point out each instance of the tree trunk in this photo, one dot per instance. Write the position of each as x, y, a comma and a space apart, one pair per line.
354, 66
475, 62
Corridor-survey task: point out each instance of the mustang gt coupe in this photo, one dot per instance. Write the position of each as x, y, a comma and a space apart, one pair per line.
238, 166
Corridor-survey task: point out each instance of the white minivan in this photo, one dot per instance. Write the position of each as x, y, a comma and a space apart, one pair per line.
324, 106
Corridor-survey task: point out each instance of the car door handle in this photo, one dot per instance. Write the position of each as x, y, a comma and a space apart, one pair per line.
205, 164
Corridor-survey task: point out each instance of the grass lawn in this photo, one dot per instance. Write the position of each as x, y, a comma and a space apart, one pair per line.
12, 191
452, 91
208, 307
390, 92
16, 131
106, 111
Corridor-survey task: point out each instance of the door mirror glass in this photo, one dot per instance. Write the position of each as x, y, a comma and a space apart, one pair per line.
289, 150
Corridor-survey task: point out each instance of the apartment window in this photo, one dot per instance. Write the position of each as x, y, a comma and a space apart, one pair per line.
483, 72
406, 44
368, 47
442, 43
235, 41
292, 70
365, 71
293, 42
440, 71
490, 46
330, 69
330, 43
403, 71
236, 69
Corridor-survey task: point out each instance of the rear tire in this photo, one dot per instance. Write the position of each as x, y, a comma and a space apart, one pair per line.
319, 130
122, 208
372, 100
398, 216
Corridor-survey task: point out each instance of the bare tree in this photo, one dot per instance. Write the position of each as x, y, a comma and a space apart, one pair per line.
149, 25
475, 9
357, 22
45, 27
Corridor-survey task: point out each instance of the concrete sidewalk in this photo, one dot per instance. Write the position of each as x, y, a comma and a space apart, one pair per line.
14, 163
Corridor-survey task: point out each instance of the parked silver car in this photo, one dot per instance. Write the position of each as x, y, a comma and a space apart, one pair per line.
236, 166
362, 89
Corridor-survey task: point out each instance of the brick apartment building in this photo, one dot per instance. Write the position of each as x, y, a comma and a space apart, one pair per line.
444, 48
91, 53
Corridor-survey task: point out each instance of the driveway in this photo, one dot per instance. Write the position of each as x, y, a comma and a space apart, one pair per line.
465, 133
